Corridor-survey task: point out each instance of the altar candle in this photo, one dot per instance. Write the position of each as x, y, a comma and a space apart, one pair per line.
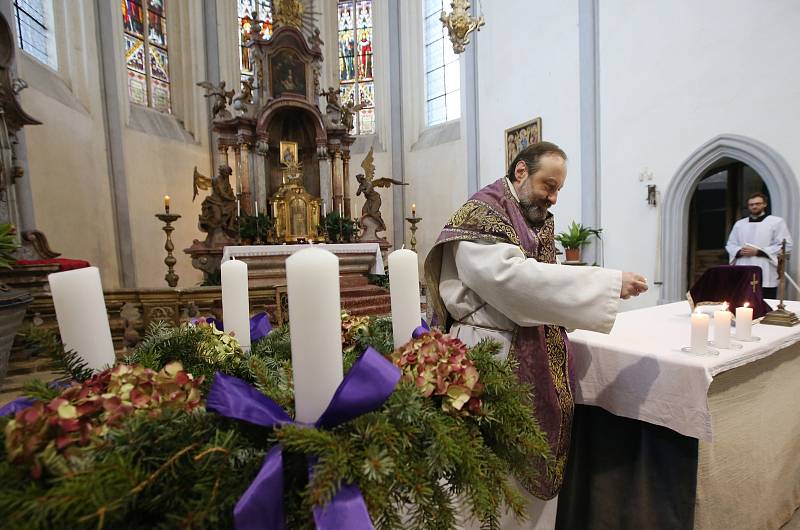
404, 287
722, 327
81, 315
413, 210
699, 330
238, 209
236, 301
274, 210
312, 280
324, 209
256, 208
744, 321
166, 203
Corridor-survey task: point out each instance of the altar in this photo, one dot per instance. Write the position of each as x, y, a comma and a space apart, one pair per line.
665, 439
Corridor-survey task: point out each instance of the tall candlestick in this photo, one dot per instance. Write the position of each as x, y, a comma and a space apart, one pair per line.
722, 328
744, 322
404, 287
81, 315
236, 301
312, 281
167, 201
699, 331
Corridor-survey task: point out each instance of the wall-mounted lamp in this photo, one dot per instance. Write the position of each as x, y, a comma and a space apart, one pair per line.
651, 194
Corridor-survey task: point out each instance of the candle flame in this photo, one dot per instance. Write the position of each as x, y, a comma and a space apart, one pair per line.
725, 306
746, 304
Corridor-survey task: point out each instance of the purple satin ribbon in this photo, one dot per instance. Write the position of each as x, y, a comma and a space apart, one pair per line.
12, 407
260, 326
420, 330
366, 386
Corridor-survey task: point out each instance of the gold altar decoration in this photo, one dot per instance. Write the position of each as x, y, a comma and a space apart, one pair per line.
460, 23
289, 13
781, 316
296, 212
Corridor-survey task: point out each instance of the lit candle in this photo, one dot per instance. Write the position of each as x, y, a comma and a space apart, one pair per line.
744, 321
312, 280
236, 301
413, 210
699, 330
404, 287
722, 327
166, 203
81, 315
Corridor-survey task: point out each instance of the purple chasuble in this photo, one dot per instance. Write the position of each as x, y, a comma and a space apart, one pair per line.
543, 354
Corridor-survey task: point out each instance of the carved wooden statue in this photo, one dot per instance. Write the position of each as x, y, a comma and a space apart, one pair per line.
371, 218
221, 97
218, 214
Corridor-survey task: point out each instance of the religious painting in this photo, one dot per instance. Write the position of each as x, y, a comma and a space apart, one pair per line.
287, 73
288, 153
521, 136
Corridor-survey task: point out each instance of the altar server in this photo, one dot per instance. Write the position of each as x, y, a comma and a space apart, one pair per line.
756, 240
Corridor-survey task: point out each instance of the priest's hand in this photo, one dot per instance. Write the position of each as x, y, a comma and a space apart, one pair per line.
632, 285
748, 251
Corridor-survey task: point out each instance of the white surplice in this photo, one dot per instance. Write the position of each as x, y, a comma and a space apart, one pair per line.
766, 235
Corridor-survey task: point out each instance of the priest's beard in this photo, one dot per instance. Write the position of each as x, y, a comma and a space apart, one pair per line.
534, 213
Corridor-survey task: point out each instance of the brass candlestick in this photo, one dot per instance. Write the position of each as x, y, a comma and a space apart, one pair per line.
781, 316
170, 261
414, 221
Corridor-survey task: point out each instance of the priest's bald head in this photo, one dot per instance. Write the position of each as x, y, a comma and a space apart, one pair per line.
538, 173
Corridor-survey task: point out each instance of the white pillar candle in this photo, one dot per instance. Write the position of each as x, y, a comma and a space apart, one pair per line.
404, 287
699, 331
236, 301
722, 328
81, 315
315, 328
744, 321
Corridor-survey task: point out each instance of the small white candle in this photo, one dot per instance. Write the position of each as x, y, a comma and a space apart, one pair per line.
324, 209
238, 209
236, 301
699, 331
722, 327
744, 321
404, 287
312, 278
256, 208
81, 315
274, 210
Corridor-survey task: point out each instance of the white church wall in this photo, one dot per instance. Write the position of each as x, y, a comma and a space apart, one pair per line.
528, 68
672, 77
67, 159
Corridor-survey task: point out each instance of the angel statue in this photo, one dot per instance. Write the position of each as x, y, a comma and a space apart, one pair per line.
199, 182
371, 211
348, 114
221, 97
240, 100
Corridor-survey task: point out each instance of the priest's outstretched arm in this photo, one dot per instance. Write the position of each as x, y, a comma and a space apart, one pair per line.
532, 293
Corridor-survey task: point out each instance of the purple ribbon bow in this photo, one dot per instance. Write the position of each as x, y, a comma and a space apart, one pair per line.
366, 386
260, 326
420, 330
12, 407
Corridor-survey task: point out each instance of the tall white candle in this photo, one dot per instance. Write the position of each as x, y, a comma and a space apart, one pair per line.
236, 301
312, 279
722, 328
744, 321
256, 208
404, 286
81, 315
699, 330
324, 209
238, 208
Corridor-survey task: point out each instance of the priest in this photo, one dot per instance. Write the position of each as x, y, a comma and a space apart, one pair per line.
493, 274
756, 240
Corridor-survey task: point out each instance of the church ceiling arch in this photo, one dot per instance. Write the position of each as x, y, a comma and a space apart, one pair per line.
777, 174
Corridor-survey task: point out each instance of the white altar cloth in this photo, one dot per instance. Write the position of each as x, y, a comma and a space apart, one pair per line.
639, 371
243, 251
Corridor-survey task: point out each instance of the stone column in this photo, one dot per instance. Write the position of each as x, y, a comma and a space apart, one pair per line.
260, 179
223, 156
336, 178
244, 178
325, 188
346, 181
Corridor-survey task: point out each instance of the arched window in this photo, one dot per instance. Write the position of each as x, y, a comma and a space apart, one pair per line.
442, 71
34, 20
356, 65
252, 13
147, 59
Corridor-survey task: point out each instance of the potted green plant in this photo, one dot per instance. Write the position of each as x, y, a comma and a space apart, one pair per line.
338, 228
13, 302
574, 238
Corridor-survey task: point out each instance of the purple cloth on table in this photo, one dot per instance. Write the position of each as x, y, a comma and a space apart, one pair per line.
260, 326
733, 284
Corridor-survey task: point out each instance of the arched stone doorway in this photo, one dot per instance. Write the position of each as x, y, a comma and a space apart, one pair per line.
777, 175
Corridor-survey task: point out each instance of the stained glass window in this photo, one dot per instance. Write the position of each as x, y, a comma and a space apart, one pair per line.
356, 64
147, 59
34, 29
442, 70
252, 14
